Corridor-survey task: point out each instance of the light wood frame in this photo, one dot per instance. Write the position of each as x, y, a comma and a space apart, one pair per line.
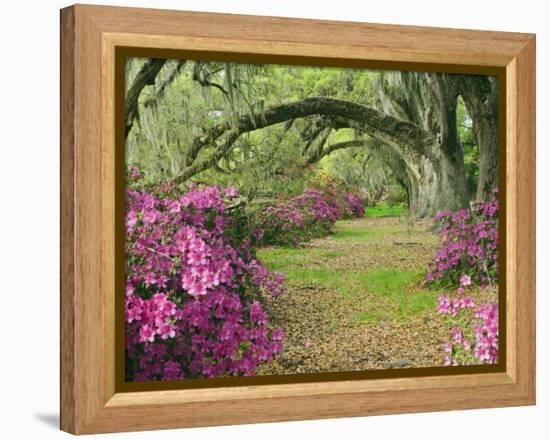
89, 36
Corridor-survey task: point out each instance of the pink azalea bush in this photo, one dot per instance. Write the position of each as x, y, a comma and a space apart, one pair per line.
303, 217
477, 344
281, 224
348, 204
320, 209
469, 244
468, 256
195, 300
354, 204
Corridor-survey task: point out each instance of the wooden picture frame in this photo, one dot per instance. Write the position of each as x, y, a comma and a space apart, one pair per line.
91, 402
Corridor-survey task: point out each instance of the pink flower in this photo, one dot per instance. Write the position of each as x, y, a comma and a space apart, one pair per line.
196, 258
210, 279
197, 289
482, 352
197, 245
231, 192
161, 281
199, 270
134, 172
166, 330
457, 334
444, 304
172, 370
150, 216
146, 333
174, 206
131, 219
187, 281
150, 278
456, 306
465, 280
129, 289
133, 313
468, 302
277, 334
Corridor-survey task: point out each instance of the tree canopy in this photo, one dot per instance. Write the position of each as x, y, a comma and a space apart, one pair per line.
266, 127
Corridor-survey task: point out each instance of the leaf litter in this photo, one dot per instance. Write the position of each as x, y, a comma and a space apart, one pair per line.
335, 319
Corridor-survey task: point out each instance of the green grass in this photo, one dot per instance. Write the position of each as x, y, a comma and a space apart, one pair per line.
399, 294
289, 258
388, 283
383, 210
373, 316
304, 266
343, 233
398, 297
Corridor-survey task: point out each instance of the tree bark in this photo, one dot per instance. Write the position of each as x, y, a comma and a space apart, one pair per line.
436, 181
146, 76
453, 188
480, 94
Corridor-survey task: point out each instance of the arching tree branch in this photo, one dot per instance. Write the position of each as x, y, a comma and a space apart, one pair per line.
401, 134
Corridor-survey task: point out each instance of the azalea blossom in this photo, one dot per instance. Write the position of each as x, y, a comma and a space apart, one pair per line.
444, 304
469, 242
469, 246
150, 216
465, 280
192, 294
231, 191
146, 333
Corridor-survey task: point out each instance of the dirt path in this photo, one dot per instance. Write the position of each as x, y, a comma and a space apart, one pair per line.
355, 301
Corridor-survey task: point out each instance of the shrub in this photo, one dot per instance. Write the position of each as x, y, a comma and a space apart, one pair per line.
349, 204
469, 241
194, 299
303, 217
319, 209
280, 224
475, 343
355, 205
468, 255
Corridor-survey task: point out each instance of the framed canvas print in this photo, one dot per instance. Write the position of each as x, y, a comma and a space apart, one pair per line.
268, 219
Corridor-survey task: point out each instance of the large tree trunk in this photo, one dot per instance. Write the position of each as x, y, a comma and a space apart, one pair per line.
431, 186
453, 188
480, 95
438, 179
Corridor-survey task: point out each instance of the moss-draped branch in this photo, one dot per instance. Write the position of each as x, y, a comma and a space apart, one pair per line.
146, 76
402, 135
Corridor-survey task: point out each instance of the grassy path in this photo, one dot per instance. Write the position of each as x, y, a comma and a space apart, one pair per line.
355, 301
